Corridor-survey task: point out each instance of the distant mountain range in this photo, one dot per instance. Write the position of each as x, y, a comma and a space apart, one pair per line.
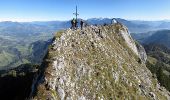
17, 39
135, 26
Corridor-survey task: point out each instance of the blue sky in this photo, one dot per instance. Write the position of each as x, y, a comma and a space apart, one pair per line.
47, 10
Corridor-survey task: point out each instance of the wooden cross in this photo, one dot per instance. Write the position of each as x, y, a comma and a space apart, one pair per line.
76, 13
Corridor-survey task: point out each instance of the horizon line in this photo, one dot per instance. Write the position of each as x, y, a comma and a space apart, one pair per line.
84, 19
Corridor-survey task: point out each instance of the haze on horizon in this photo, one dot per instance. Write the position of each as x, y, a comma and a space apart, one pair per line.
50, 10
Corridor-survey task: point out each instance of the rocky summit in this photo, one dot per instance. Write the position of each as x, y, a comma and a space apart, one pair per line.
96, 63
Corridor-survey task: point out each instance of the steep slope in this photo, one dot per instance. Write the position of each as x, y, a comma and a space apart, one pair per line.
159, 63
96, 63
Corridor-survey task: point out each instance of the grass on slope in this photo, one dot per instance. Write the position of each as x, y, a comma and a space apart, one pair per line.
6, 58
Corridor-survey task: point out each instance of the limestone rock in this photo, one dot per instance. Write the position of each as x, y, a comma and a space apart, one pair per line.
142, 52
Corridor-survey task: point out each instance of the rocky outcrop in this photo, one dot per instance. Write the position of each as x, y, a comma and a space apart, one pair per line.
137, 48
142, 52
98, 62
128, 39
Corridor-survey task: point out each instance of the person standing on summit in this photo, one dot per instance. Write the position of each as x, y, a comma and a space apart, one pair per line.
73, 23
76, 23
81, 24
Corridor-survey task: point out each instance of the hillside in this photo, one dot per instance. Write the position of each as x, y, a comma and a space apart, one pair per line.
159, 63
157, 46
159, 37
98, 62
15, 53
17, 43
141, 37
15, 84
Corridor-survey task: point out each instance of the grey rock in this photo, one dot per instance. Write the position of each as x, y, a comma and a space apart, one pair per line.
142, 52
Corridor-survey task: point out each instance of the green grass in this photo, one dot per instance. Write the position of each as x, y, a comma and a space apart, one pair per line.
23, 49
6, 58
152, 60
58, 34
19, 62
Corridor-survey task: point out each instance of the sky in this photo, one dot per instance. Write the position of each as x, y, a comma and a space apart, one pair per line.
50, 10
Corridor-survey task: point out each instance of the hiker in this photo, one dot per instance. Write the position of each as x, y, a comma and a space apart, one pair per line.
81, 24
73, 23
76, 24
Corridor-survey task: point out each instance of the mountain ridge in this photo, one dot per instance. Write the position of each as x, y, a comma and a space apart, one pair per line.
95, 63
